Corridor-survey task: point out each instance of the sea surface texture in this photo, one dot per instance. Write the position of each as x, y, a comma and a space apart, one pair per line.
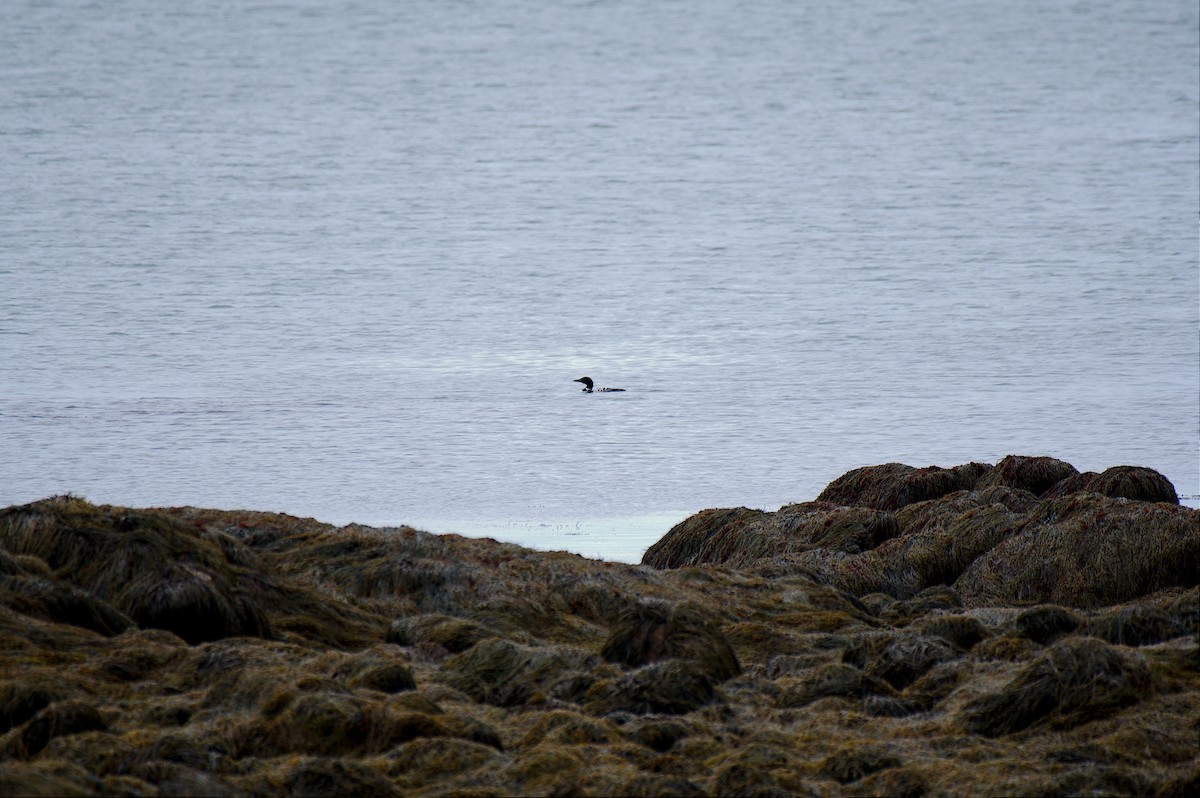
344, 260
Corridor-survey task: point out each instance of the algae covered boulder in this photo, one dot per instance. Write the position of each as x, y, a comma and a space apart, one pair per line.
894, 485
151, 569
1046, 623
1087, 550
702, 538
500, 672
1034, 474
1124, 482
168, 570
1077, 680
742, 538
941, 539
854, 762
52, 600
651, 631
57, 720
899, 658
1136, 625
197, 605
21, 699
311, 777
831, 680
376, 671
453, 634
669, 687
678, 655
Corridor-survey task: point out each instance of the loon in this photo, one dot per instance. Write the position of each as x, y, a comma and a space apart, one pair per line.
587, 387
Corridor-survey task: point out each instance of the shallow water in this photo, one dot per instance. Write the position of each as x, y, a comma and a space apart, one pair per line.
345, 261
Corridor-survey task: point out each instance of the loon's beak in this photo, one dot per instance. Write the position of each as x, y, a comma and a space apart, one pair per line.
578, 380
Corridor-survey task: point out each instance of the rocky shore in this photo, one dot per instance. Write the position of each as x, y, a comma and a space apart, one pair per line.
1009, 629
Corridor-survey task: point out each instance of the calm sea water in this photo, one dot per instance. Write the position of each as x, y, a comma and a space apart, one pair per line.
345, 259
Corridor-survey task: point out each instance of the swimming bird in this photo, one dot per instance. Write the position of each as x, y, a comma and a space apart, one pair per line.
587, 387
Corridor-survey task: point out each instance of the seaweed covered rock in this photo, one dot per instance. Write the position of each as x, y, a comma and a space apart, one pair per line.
894, 485
1034, 474
313, 778
832, 680
506, 674
651, 631
459, 766
21, 699
757, 770
742, 538
1046, 623
52, 600
1124, 482
57, 720
939, 551
854, 762
376, 671
946, 510
657, 734
895, 782
453, 634
703, 537
1076, 680
164, 573
195, 604
768, 678
1087, 550
337, 724
899, 658
1136, 625
670, 687
961, 631
45, 780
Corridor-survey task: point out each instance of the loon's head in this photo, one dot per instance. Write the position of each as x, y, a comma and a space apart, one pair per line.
587, 383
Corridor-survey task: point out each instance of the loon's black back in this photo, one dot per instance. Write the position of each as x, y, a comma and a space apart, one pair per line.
587, 387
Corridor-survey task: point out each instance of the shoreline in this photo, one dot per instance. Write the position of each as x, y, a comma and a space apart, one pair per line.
1017, 628
615, 539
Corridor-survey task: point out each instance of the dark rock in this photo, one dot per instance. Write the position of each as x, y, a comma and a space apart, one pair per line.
1034, 474
1077, 680
891, 486
651, 631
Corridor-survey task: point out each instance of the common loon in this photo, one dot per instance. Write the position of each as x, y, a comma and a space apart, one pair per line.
587, 387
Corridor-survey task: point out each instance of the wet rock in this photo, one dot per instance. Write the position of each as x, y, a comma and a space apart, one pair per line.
20, 700
843, 681
195, 605
1034, 474
1077, 680
506, 674
897, 658
1127, 482
669, 687
316, 778
961, 631
764, 678
1086, 551
852, 763
894, 485
55, 601
656, 630
1047, 623
58, 720
453, 634
744, 538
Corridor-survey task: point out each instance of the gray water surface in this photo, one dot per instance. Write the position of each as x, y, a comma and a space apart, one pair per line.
345, 259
